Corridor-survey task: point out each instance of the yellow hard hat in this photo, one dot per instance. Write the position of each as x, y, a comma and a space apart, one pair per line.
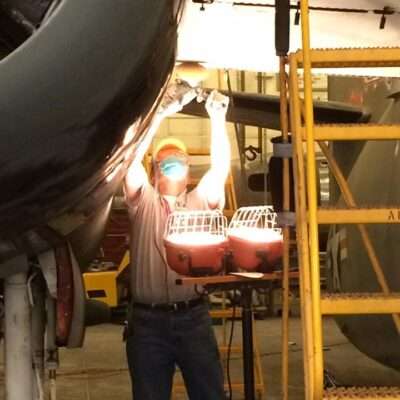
169, 142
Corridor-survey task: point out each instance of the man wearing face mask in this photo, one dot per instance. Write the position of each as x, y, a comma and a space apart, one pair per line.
169, 325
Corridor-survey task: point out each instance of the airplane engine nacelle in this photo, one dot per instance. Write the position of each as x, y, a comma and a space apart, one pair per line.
71, 87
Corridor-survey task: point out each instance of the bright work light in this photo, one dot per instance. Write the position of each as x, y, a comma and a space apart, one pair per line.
195, 242
254, 239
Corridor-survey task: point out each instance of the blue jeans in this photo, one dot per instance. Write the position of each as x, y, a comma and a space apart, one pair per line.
159, 340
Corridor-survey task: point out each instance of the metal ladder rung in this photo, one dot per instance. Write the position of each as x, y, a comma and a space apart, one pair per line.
362, 393
360, 303
355, 132
352, 57
358, 215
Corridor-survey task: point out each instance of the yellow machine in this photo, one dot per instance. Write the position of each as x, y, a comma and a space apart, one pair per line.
103, 285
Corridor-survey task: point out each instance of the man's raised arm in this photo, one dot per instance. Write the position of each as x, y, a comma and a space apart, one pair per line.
176, 96
212, 185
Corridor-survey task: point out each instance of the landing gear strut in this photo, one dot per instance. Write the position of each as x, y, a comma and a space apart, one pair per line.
17, 338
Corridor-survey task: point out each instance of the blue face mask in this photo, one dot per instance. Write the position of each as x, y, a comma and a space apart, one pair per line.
173, 167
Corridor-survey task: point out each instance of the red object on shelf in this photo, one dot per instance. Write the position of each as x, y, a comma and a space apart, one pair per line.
247, 254
195, 259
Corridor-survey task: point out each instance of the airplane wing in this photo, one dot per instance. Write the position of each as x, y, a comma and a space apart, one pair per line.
240, 33
264, 110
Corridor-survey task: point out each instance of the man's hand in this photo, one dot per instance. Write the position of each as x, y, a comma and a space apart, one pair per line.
217, 104
176, 96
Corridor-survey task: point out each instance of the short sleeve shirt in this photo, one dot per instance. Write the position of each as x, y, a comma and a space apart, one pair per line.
152, 281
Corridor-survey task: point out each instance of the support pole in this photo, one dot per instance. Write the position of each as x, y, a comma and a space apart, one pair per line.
302, 231
247, 335
38, 332
17, 344
282, 44
51, 346
286, 232
311, 177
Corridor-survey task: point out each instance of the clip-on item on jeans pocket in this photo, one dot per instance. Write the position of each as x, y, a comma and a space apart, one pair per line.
128, 325
125, 332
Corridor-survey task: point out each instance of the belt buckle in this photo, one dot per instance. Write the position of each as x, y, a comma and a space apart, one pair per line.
175, 306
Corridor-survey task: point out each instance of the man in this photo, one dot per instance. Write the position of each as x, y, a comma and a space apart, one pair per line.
170, 325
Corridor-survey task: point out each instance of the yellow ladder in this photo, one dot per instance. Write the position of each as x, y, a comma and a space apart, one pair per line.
308, 216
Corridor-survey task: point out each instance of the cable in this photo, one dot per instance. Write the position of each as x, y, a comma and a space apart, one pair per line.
29, 288
311, 8
39, 383
297, 350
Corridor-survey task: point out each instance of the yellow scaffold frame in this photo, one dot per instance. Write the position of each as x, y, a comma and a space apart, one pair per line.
308, 216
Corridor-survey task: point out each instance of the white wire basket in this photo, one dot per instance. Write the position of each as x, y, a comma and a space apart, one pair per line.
196, 241
255, 217
255, 239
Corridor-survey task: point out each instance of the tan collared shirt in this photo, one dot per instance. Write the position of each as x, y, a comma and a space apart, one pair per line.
152, 281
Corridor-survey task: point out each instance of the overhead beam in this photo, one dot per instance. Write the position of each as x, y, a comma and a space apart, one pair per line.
264, 110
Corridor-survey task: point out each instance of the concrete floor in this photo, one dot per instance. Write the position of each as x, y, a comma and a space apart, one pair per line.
98, 371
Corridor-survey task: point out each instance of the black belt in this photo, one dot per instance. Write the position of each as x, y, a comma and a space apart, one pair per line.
177, 306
